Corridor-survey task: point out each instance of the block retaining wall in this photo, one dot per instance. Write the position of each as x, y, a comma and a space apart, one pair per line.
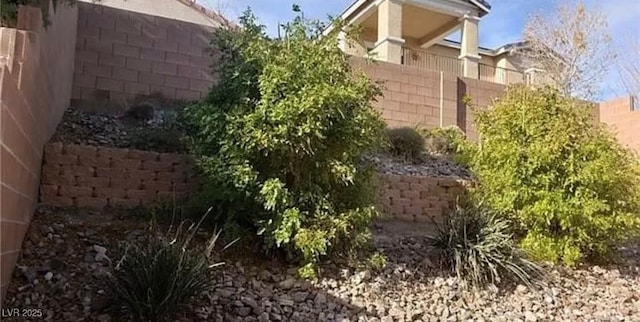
418, 198
97, 177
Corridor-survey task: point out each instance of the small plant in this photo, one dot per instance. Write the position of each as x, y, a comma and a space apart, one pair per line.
476, 245
405, 143
377, 261
155, 279
444, 140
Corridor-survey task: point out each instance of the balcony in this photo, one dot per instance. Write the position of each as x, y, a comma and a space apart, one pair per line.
451, 65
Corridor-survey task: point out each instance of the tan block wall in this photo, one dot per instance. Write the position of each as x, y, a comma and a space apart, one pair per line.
122, 55
412, 96
36, 68
418, 198
623, 120
97, 177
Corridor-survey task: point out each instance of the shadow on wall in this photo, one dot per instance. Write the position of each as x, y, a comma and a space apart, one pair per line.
124, 56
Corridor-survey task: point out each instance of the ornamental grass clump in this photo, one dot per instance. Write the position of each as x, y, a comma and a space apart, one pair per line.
477, 247
157, 278
405, 143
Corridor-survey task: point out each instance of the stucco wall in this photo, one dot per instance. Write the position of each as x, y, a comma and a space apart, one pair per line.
122, 55
36, 69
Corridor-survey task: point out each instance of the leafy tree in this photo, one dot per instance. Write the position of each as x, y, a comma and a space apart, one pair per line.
568, 184
281, 139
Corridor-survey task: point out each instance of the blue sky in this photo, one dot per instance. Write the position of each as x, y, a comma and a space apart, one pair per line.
503, 25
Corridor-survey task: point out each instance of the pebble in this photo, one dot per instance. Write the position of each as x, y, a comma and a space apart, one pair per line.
405, 290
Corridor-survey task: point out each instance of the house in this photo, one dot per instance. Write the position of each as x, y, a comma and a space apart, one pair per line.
413, 32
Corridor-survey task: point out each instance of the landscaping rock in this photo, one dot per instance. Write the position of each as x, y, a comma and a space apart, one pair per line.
254, 290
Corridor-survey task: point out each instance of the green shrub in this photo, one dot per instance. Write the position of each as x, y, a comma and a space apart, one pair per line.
157, 278
281, 140
569, 185
9, 10
444, 140
477, 246
405, 143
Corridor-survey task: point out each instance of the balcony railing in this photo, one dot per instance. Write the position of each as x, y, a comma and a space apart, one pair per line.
499, 75
426, 60
430, 61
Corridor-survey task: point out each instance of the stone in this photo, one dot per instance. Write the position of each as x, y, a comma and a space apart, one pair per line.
244, 311
300, 296
48, 276
320, 299
104, 318
530, 317
30, 274
99, 249
287, 284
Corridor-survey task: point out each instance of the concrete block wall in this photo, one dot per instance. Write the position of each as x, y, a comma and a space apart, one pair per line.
121, 55
36, 69
97, 177
620, 115
414, 96
418, 198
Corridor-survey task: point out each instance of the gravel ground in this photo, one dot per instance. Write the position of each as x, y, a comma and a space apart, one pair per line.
66, 256
429, 165
77, 127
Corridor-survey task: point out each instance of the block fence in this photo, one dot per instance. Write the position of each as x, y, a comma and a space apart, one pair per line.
97, 177
623, 119
36, 69
414, 96
122, 55
418, 198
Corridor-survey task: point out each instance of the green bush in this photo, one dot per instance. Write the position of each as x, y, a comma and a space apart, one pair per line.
444, 140
281, 140
568, 184
477, 246
9, 10
157, 278
405, 143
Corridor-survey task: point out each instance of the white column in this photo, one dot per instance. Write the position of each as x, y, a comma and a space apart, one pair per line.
389, 45
469, 46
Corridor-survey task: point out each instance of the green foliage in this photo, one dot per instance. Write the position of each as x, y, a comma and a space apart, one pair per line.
405, 143
377, 261
477, 246
281, 140
9, 10
570, 187
448, 141
157, 278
